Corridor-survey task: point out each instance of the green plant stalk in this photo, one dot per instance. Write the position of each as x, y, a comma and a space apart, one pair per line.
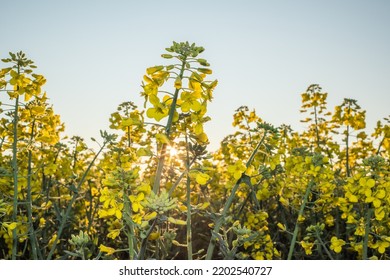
142, 251
378, 151
366, 233
130, 234
337, 227
1, 143
219, 222
15, 176
323, 245
172, 109
189, 232
188, 187
347, 153
33, 238
296, 229
171, 190
128, 137
69, 208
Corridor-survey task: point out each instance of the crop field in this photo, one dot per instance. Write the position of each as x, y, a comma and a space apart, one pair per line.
154, 190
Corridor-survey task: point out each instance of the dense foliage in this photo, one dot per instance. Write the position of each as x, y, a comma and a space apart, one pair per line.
154, 191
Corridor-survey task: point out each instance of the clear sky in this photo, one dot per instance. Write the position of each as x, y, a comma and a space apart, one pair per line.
264, 53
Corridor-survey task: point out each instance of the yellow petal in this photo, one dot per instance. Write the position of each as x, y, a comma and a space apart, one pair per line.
150, 216
106, 249
176, 221
202, 178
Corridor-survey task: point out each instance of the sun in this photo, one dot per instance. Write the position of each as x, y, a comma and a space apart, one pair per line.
173, 151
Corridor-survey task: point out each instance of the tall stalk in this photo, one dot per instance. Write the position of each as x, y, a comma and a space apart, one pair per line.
347, 153
168, 127
129, 222
15, 172
366, 233
188, 198
33, 238
300, 213
15, 175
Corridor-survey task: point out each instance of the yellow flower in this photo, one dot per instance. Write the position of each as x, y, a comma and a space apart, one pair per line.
10, 227
42, 222
176, 221
379, 213
382, 245
38, 110
281, 226
329, 220
337, 244
162, 138
105, 249
308, 246
190, 102
158, 112
145, 188
114, 233
237, 169
154, 69
51, 241
154, 236
202, 178
136, 201
150, 216
301, 219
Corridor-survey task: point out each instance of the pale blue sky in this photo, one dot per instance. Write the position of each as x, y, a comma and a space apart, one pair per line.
264, 53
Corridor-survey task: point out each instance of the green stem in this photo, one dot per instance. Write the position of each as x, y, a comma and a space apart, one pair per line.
380, 145
180, 178
347, 153
160, 164
127, 217
33, 239
144, 242
296, 229
15, 176
323, 245
69, 208
189, 232
220, 220
366, 233
128, 137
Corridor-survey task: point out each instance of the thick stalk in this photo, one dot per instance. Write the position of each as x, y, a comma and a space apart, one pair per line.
180, 178
127, 217
160, 164
142, 251
33, 238
15, 177
128, 137
189, 231
366, 233
323, 245
69, 208
300, 213
379, 146
347, 152
188, 185
220, 220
